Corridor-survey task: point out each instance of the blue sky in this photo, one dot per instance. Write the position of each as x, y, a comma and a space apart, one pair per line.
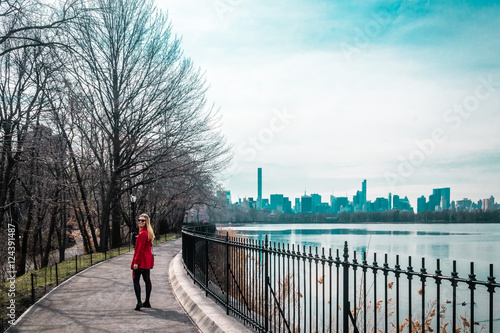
324, 94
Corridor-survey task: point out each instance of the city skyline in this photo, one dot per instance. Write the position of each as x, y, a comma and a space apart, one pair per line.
322, 94
439, 199
362, 195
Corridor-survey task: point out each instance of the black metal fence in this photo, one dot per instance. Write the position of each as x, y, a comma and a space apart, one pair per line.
276, 287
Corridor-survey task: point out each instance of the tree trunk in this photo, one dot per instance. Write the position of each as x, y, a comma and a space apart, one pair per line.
48, 246
81, 225
21, 269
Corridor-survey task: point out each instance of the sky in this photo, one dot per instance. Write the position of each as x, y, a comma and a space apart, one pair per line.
324, 94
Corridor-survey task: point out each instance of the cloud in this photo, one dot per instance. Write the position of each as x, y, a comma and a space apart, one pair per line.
366, 81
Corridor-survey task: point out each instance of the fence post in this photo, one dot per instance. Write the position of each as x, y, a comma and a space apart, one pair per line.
266, 290
454, 284
57, 276
345, 305
491, 290
32, 288
206, 262
76, 264
194, 237
227, 273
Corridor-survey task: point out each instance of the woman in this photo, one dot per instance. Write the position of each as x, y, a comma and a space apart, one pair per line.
143, 260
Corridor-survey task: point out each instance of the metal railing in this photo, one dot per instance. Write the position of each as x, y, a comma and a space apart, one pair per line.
275, 287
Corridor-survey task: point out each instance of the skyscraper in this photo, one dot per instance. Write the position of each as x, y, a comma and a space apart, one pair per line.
306, 204
277, 202
297, 205
422, 204
359, 200
259, 188
316, 201
439, 199
363, 192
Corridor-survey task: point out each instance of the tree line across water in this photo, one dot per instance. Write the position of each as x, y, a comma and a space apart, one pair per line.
237, 214
102, 117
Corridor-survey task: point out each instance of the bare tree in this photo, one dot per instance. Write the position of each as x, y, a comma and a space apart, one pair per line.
119, 110
24, 75
32, 23
143, 103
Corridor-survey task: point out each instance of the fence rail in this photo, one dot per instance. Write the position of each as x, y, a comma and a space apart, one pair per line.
275, 287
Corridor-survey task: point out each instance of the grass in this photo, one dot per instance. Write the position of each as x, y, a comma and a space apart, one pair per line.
44, 279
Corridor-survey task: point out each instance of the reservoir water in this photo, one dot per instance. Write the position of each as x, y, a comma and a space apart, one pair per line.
465, 243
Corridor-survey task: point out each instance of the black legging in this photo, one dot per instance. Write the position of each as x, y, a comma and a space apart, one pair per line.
137, 287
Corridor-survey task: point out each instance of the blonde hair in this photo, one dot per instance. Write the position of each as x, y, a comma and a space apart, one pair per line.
151, 234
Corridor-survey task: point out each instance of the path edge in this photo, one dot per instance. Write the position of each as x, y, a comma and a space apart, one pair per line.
205, 313
18, 320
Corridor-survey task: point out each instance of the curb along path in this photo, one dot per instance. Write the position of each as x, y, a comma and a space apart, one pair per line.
102, 299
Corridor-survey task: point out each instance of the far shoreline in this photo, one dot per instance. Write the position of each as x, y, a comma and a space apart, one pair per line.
335, 222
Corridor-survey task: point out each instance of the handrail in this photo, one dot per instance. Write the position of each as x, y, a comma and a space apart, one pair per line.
274, 289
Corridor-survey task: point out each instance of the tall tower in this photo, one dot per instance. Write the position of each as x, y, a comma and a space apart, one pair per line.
363, 190
259, 188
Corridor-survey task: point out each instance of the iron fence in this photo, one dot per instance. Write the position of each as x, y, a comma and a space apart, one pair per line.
275, 287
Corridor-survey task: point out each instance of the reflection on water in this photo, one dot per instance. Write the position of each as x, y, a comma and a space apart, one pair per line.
334, 231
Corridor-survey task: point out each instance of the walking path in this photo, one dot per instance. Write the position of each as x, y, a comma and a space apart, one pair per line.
102, 299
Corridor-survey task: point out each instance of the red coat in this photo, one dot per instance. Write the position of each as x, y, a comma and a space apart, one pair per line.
143, 256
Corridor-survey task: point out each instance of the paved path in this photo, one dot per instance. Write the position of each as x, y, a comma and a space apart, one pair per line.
102, 299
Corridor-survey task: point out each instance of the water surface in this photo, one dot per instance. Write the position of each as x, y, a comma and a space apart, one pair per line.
465, 243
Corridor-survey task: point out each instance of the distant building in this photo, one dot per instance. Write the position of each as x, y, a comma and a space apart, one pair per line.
359, 199
363, 192
248, 203
439, 199
225, 195
422, 204
259, 188
276, 202
287, 206
322, 208
380, 205
405, 204
333, 200
341, 204
356, 199
306, 204
401, 204
296, 208
395, 202
464, 205
265, 203
316, 201
488, 204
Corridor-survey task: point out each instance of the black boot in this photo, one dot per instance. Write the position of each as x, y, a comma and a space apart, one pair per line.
138, 306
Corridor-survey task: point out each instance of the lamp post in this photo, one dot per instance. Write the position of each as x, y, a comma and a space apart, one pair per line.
133, 199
